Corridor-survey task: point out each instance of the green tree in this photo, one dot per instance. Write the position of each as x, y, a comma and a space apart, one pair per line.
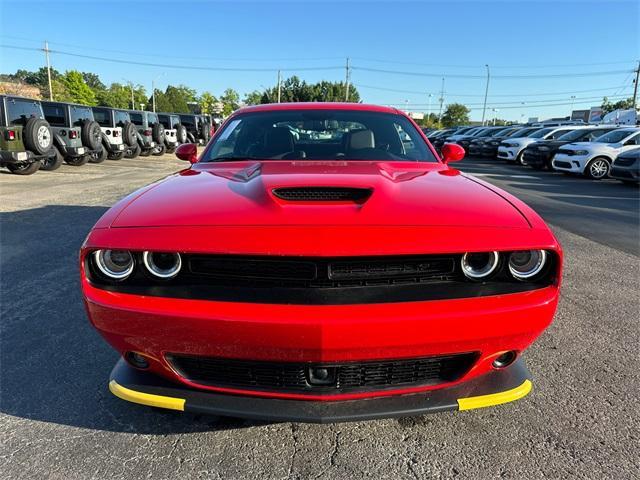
93, 81
256, 98
430, 121
455, 114
78, 91
208, 103
230, 101
174, 99
607, 106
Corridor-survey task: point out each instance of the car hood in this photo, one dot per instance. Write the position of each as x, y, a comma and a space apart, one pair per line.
591, 146
241, 193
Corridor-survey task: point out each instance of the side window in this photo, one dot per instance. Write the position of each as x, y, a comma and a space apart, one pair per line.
136, 118
54, 114
121, 118
557, 134
635, 140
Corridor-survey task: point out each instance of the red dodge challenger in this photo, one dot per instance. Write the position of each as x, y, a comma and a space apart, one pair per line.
320, 263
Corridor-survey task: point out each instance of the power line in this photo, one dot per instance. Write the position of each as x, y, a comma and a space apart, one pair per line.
180, 67
520, 104
479, 66
512, 77
422, 92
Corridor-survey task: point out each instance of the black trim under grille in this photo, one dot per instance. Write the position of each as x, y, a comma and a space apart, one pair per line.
344, 377
561, 164
322, 194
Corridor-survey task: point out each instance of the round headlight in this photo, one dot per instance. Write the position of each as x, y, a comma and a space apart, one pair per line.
526, 264
114, 264
477, 266
162, 265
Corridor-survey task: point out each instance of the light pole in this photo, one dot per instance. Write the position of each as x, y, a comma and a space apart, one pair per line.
486, 94
130, 83
573, 97
153, 90
429, 107
495, 114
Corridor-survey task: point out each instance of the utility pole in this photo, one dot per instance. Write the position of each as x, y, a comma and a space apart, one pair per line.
429, 106
347, 79
153, 94
573, 98
486, 94
279, 86
133, 103
635, 87
441, 101
46, 53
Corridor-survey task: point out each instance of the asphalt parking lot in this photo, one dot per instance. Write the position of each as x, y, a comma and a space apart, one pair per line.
58, 419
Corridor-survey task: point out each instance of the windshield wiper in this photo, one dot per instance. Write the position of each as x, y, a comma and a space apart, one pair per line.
235, 158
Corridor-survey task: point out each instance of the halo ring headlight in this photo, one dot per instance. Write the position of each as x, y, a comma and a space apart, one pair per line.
477, 266
526, 264
114, 264
163, 265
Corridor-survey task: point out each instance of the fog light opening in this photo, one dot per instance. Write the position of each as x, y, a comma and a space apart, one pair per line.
136, 360
506, 359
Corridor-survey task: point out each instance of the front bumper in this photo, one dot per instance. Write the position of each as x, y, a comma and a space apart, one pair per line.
489, 150
569, 163
494, 388
475, 149
537, 158
631, 173
508, 153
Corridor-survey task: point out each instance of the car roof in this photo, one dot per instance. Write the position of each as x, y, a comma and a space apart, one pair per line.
267, 107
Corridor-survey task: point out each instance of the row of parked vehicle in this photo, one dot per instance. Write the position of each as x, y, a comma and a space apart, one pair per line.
38, 134
595, 151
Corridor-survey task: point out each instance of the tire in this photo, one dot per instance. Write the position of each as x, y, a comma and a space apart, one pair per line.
24, 168
157, 133
203, 131
161, 151
181, 133
519, 159
91, 134
116, 156
191, 138
133, 152
53, 162
37, 136
145, 153
598, 168
98, 157
129, 136
77, 161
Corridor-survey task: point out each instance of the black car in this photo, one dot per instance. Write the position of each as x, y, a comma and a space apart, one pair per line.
626, 167
465, 140
197, 128
489, 147
538, 155
441, 139
475, 146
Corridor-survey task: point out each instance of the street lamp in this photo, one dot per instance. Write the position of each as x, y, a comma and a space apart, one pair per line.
495, 112
153, 90
573, 97
429, 107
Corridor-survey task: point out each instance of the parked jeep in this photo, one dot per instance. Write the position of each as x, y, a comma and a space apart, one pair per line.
76, 135
113, 145
174, 132
197, 128
25, 136
150, 132
130, 133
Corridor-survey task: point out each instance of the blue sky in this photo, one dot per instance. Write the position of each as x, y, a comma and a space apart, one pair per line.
515, 38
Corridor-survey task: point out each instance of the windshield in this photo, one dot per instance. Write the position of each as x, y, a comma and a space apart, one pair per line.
319, 134
188, 120
152, 118
615, 136
541, 133
164, 120
121, 118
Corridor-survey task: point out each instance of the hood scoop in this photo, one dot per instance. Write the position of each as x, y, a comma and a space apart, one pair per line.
323, 194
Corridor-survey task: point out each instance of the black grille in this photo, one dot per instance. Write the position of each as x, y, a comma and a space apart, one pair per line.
322, 194
348, 377
561, 164
323, 273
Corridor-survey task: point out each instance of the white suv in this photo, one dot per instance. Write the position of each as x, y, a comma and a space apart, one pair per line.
594, 159
511, 149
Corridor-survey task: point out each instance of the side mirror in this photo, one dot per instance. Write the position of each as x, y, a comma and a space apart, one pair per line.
452, 152
188, 152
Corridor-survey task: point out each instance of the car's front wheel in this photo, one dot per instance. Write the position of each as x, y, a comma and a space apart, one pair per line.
597, 169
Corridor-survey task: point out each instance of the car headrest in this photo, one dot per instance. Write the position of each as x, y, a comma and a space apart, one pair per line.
278, 140
361, 139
